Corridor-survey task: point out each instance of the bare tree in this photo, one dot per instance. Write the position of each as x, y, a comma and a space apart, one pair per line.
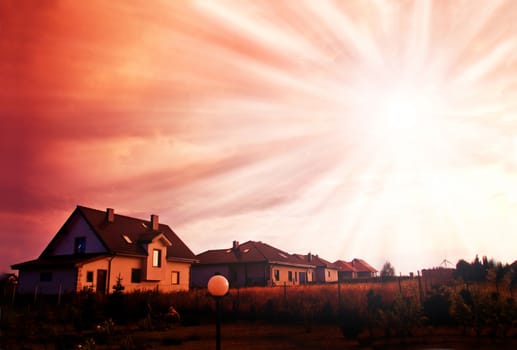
387, 271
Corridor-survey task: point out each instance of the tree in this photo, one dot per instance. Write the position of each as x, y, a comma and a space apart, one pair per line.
473, 272
513, 278
116, 308
499, 272
387, 270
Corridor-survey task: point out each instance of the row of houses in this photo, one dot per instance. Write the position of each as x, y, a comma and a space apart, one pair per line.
93, 249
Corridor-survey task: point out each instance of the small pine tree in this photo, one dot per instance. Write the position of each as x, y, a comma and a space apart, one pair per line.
116, 302
118, 287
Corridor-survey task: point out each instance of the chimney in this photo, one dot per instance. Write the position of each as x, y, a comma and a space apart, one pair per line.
235, 245
309, 257
110, 215
154, 222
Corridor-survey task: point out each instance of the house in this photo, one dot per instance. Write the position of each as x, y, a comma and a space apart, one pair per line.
252, 264
94, 248
355, 269
437, 276
345, 270
324, 271
363, 269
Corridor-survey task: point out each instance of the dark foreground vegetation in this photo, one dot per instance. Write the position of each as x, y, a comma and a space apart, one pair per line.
393, 314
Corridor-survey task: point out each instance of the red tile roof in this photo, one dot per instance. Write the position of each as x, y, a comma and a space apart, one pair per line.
345, 266
136, 230
250, 252
362, 266
314, 259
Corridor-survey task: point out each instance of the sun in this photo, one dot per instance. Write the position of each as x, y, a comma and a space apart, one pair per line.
401, 111
402, 116
405, 111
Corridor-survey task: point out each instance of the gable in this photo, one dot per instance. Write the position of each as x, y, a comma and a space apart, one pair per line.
75, 237
129, 236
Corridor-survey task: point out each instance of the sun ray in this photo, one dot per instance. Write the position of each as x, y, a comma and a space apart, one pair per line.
390, 122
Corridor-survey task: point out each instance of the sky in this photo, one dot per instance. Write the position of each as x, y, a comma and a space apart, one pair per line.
381, 130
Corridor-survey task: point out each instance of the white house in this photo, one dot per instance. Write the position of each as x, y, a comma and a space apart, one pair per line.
94, 248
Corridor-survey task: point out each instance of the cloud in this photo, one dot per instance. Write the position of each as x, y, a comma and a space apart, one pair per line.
204, 112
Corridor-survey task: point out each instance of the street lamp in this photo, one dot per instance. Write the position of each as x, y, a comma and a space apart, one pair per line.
218, 287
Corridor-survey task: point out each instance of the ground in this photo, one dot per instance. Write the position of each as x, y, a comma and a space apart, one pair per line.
247, 335
263, 336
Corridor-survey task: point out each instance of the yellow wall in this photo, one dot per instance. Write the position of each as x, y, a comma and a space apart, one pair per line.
331, 275
122, 266
152, 272
284, 275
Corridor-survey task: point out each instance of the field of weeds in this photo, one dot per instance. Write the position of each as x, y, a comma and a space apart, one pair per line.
346, 315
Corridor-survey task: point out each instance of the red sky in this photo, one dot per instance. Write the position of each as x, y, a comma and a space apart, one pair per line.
379, 130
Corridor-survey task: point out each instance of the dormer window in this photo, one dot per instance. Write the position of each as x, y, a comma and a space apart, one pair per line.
157, 257
80, 245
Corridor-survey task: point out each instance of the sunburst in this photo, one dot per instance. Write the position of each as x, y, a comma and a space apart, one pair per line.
398, 88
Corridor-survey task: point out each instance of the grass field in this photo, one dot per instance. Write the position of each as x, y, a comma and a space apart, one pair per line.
394, 315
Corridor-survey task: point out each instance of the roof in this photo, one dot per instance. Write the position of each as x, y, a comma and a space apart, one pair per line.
362, 266
250, 252
58, 261
345, 266
314, 259
135, 230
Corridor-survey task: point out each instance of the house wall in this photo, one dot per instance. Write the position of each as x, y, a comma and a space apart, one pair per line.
63, 280
257, 275
345, 275
437, 276
365, 274
153, 273
284, 275
324, 275
122, 266
202, 273
332, 275
253, 274
78, 227
248, 274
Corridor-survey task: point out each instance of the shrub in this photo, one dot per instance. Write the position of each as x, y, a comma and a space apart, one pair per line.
351, 322
436, 308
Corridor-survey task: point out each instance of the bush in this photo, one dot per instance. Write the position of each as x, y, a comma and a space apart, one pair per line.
351, 322
436, 308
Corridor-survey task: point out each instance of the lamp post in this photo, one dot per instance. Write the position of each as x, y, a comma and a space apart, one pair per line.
218, 287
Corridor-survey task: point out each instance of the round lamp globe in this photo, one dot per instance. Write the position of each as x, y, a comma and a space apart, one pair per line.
218, 286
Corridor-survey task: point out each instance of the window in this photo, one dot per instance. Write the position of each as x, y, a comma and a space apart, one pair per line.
45, 276
89, 276
175, 277
136, 275
80, 245
290, 275
328, 273
157, 258
277, 275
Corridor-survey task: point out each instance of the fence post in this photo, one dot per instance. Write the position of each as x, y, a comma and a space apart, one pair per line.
285, 293
59, 294
420, 292
14, 294
339, 294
